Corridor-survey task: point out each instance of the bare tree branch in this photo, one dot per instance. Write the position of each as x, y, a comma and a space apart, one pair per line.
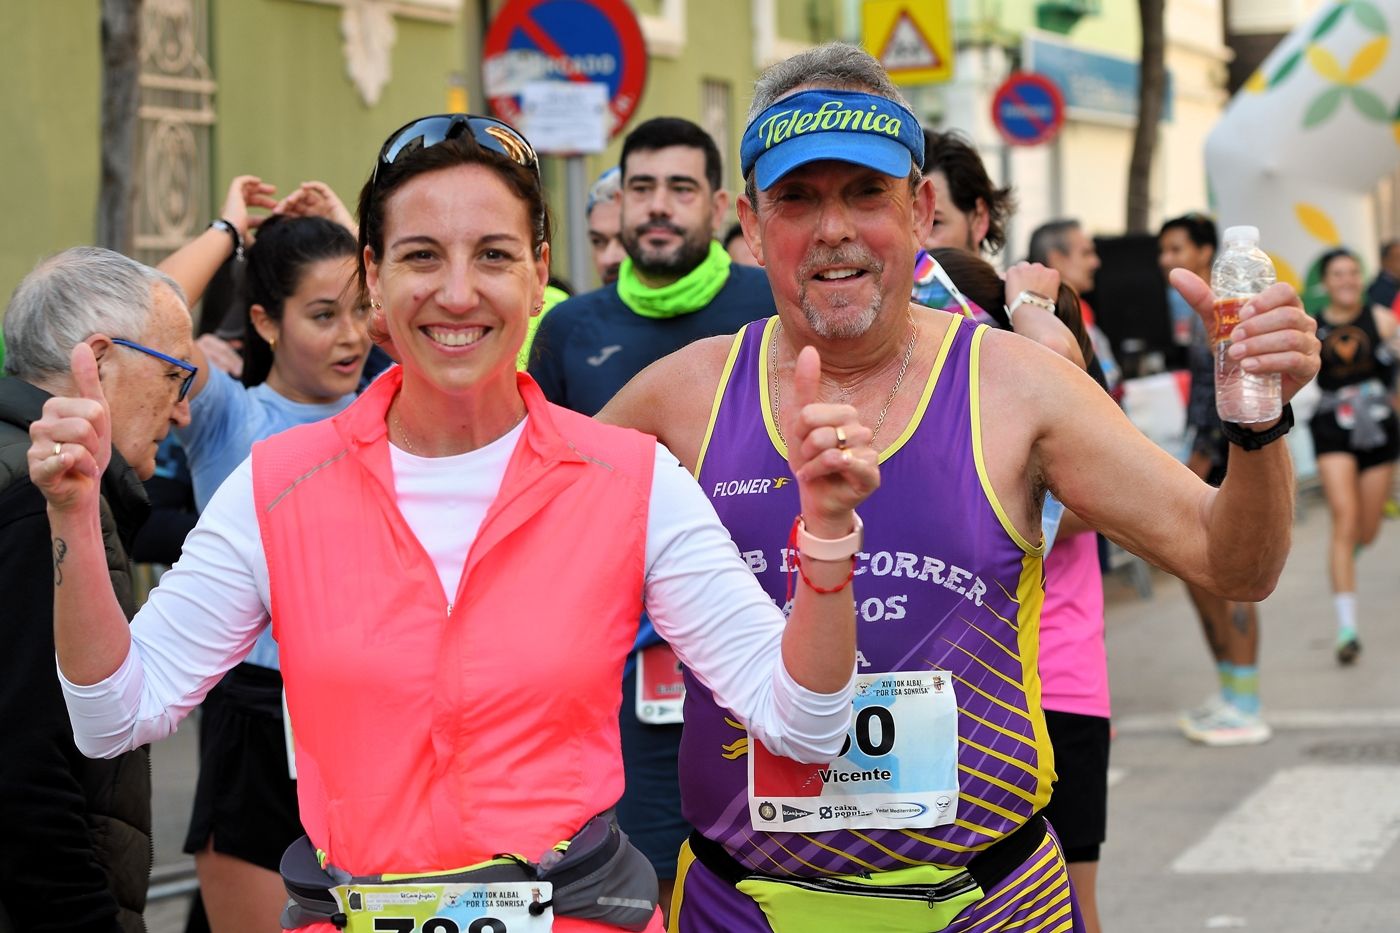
1151, 90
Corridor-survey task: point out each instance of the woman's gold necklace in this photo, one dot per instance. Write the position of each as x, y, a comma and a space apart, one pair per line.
403, 435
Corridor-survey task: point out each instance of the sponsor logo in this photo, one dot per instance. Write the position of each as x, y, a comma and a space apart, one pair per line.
603, 354
937, 683
748, 487
943, 802
767, 811
793, 813
831, 115
901, 810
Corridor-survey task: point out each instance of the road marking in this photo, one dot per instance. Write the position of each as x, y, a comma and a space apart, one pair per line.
1312, 818
1289, 720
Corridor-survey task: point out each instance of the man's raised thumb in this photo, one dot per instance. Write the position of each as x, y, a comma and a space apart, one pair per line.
85, 378
806, 378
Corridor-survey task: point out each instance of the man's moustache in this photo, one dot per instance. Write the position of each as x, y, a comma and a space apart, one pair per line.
666, 228
859, 258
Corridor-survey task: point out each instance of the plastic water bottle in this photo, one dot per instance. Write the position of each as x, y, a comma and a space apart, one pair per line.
1241, 271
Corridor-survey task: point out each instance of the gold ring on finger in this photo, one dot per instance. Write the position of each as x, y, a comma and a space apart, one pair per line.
840, 438
57, 449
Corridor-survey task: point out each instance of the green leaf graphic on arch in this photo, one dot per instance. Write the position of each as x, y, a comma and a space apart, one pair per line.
1367, 15
1366, 12
1323, 106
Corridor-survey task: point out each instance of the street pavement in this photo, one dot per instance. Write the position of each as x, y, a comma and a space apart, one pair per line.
1295, 836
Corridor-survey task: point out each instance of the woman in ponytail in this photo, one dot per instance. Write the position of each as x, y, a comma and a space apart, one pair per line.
305, 345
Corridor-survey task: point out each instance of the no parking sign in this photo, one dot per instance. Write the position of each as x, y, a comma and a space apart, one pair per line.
595, 41
1028, 109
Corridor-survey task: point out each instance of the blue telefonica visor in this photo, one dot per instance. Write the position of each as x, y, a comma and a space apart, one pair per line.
847, 126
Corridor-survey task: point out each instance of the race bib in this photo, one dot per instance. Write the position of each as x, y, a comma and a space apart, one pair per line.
445, 908
897, 770
660, 686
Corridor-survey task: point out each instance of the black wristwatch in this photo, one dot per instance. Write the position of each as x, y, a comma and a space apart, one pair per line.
1246, 439
227, 226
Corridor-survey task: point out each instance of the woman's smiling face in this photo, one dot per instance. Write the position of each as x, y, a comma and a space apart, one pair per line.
458, 277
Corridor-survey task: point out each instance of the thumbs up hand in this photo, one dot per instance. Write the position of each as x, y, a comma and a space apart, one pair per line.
829, 453
71, 444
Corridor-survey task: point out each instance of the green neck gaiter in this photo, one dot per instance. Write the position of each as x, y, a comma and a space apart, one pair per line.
688, 294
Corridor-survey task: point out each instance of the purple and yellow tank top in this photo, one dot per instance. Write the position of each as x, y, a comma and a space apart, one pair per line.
944, 583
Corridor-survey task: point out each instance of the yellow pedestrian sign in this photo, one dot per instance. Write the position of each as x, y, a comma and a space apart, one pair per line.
912, 39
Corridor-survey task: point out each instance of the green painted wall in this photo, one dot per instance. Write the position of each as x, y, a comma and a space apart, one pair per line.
287, 108
49, 102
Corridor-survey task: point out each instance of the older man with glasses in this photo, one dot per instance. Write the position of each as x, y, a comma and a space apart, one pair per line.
87, 327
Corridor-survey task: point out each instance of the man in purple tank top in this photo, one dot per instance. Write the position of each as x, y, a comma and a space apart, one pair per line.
929, 819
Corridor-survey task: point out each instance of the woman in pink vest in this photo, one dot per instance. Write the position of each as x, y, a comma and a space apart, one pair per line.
453, 569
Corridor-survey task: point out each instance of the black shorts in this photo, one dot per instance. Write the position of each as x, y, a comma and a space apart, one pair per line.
650, 808
1078, 807
1210, 443
244, 798
1331, 438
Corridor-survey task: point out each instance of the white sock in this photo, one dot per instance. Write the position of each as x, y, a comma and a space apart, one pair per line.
1346, 612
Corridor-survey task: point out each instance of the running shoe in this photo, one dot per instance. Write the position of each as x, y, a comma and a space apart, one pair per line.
1208, 709
1348, 651
1229, 725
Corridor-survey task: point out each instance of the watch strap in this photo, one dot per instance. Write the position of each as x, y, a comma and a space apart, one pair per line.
1246, 439
1028, 297
219, 223
843, 548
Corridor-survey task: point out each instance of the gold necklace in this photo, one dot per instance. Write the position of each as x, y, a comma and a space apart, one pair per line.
885, 410
408, 444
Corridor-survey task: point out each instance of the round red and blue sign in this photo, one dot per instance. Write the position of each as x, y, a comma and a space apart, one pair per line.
1028, 109
565, 40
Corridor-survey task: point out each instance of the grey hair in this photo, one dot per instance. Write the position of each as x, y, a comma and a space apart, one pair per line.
607, 187
838, 66
1051, 235
69, 297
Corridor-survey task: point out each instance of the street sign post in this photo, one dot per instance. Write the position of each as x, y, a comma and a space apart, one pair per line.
535, 42
911, 39
1028, 109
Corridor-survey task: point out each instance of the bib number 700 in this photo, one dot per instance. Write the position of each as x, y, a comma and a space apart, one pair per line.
436, 925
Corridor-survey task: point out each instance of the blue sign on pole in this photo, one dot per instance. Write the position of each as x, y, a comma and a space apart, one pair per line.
1028, 110
565, 40
1094, 84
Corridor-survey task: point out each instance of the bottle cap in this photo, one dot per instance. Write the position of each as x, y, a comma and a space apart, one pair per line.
1241, 234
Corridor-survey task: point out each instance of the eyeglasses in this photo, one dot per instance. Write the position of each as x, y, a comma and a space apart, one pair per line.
488, 133
191, 369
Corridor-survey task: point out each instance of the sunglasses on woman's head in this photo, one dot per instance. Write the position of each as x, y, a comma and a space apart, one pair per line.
487, 132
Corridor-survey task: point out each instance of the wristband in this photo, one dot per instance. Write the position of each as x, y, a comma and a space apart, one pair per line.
1246, 439
844, 548
228, 227
1028, 297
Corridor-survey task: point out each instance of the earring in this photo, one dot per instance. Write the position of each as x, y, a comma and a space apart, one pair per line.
272, 344
375, 305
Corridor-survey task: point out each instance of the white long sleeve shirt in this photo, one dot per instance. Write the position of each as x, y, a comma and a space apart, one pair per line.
211, 607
